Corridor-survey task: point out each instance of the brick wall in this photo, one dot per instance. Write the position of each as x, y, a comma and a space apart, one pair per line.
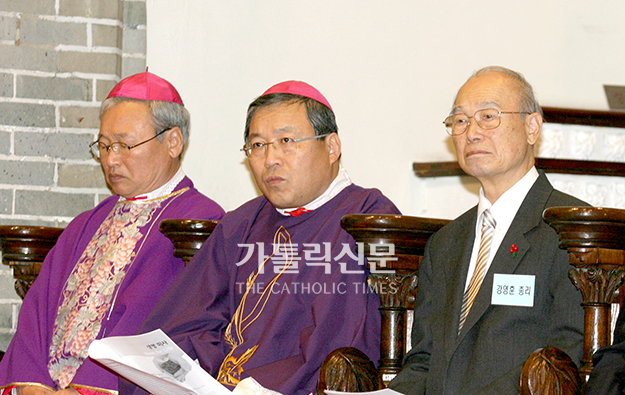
58, 61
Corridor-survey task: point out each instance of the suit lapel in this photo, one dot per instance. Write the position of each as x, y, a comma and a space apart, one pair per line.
528, 217
456, 279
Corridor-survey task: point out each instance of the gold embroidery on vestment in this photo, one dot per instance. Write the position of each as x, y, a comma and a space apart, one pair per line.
231, 369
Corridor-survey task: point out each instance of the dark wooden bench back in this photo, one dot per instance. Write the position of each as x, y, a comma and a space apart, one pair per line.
24, 249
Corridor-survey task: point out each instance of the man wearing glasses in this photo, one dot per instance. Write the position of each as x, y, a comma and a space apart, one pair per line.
111, 264
279, 284
493, 286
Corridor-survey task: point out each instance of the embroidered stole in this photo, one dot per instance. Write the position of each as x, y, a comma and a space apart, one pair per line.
231, 368
91, 288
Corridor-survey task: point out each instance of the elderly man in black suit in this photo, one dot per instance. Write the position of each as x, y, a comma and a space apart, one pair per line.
493, 286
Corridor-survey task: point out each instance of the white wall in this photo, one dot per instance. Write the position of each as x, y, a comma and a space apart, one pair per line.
390, 69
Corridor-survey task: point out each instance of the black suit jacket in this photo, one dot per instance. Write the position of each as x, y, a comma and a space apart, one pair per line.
487, 356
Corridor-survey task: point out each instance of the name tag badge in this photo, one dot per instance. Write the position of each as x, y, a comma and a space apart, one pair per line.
513, 290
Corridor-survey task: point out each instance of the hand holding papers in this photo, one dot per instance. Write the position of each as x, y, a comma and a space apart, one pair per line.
154, 362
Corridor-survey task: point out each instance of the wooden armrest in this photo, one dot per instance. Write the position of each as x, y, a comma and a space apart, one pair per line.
187, 235
348, 369
24, 249
549, 371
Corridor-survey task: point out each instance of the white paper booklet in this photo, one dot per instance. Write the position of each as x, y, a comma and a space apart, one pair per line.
155, 363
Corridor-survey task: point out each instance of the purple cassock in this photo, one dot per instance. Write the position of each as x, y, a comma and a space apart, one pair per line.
107, 270
270, 296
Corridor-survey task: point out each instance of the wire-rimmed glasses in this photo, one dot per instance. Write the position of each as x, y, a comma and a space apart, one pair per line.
487, 118
99, 149
286, 145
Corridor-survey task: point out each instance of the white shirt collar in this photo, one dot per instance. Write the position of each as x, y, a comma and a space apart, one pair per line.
506, 207
164, 189
340, 182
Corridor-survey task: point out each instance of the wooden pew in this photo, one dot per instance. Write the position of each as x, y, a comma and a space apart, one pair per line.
188, 235
595, 240
409, 236
592, 236
23, 249
397, 290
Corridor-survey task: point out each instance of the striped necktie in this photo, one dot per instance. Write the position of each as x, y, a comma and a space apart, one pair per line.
488, 226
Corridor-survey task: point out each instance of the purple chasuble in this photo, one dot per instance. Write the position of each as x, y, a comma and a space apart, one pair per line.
270, 296
107, 270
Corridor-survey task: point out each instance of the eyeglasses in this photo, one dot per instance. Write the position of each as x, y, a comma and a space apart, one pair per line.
99, 149
488, 118
286, 145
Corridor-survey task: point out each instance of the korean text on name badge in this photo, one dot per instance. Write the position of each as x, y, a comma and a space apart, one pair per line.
513, 290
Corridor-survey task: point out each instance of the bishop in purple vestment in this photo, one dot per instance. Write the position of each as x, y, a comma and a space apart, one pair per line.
111, 264
279, 284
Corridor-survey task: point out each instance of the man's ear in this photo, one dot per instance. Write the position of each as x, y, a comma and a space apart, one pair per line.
533, 126
175, 142
333, 142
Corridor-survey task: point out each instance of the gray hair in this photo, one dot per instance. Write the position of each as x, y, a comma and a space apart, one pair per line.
321, 117
164, 115
525, 90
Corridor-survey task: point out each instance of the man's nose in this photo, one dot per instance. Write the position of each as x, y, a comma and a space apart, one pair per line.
110, 157
474, 131
273, 154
